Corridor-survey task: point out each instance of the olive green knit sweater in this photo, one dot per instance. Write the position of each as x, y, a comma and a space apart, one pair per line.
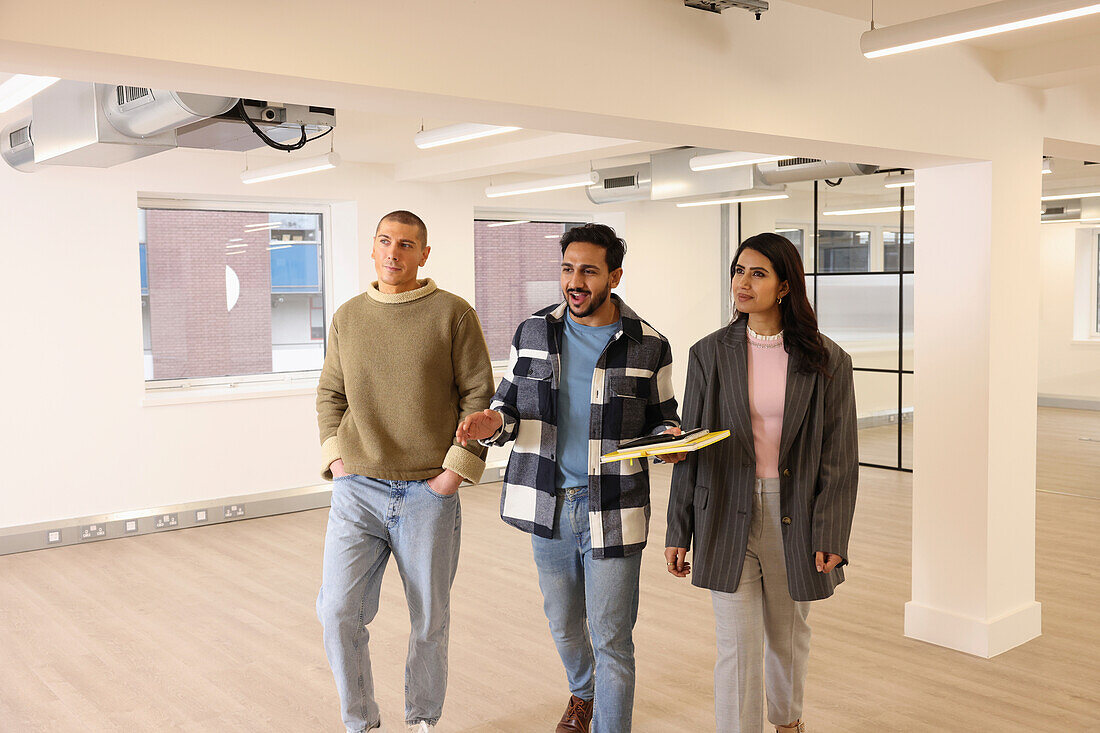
400, 372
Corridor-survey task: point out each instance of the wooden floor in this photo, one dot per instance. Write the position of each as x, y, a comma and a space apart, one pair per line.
213, 629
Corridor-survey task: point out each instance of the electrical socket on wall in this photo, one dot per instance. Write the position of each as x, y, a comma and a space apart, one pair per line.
166, 520
92, 531
234, 511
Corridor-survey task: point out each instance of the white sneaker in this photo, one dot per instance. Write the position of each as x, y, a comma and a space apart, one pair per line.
421, 727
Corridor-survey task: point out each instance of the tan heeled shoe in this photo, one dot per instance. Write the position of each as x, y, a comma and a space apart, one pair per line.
798, 727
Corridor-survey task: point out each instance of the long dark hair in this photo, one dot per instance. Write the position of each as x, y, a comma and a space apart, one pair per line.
800, 335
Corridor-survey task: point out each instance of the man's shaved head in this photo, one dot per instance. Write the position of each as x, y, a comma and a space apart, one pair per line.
408, 219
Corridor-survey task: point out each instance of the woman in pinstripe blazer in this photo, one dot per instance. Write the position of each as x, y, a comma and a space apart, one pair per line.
770, 509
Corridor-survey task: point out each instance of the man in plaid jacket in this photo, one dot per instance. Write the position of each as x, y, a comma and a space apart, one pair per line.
583, 376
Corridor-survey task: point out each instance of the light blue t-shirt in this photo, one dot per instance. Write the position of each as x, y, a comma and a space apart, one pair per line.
580, 350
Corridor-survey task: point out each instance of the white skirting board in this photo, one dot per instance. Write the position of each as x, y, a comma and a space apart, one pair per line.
79, 530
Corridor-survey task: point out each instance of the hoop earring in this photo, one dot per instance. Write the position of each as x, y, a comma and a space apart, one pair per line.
778, 300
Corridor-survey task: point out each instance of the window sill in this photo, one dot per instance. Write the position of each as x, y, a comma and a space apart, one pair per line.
1094, 341
226, 393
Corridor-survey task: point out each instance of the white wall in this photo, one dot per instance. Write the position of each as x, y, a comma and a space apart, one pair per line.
1067, 368
80, 442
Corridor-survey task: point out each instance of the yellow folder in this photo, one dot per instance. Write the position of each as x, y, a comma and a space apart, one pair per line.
691, 443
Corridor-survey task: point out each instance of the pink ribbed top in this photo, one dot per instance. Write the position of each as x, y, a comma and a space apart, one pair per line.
767, 391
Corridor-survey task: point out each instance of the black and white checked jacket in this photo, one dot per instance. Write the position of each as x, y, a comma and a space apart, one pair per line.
632, 396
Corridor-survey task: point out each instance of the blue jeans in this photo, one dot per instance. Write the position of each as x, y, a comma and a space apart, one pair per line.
368, 520
591, 606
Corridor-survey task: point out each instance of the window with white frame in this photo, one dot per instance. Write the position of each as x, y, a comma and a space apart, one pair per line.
517, 266
231, 292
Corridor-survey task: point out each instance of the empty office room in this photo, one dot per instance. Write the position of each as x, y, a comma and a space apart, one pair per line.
313, 306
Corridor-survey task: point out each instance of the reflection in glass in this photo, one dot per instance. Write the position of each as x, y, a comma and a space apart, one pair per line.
907, 417
860, 312
877, 417
843, 251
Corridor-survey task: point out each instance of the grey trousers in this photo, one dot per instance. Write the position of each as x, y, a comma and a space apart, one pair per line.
763, 637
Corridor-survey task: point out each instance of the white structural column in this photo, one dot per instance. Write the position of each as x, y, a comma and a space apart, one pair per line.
976, 352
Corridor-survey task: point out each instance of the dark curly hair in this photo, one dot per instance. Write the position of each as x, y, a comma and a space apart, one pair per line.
600, 235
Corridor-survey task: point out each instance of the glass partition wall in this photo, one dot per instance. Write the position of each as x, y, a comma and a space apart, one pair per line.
856, 240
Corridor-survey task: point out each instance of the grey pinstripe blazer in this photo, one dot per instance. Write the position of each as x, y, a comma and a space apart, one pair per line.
712, 490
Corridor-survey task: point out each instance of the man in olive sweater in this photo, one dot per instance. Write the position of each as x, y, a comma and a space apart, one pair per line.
406, 362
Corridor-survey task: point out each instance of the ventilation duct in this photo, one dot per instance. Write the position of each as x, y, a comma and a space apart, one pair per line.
141, 112
1062, 210
673, 179
71, 128
620, 184
793, 170
17, 146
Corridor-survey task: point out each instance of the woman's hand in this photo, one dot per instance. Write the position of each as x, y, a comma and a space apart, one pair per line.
826, 561
479, 426
676, 561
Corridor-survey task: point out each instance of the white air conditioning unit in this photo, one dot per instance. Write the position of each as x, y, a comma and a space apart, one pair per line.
17, 146
792, 170
141, 112
620, 184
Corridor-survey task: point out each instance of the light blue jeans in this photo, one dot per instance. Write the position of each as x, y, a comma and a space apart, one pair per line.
591, 606
369, 519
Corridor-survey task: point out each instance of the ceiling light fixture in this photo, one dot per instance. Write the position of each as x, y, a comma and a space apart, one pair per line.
870, 210
899, 180
20, 88
976, 22
1069, 221
734, 200
591, 178
457, 133
1069, 196
249, 228
293, 168
731, 160
507, 223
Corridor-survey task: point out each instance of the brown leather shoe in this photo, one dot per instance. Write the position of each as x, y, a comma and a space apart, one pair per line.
577, 717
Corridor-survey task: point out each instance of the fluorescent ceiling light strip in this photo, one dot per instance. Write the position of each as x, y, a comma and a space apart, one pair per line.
279, 246
871, 210
1068, 196
551, 236
22, 87
249, 228
1069, 221
900, 180
457, 133
237, 239
507, 223
734, 200
731, 160
580, 180
293, 168
976, 22
235, 252
235, 246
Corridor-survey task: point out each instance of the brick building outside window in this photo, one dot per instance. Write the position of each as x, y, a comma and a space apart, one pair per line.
231, 293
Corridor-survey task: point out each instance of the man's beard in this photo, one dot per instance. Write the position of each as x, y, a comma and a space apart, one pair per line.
595, 300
